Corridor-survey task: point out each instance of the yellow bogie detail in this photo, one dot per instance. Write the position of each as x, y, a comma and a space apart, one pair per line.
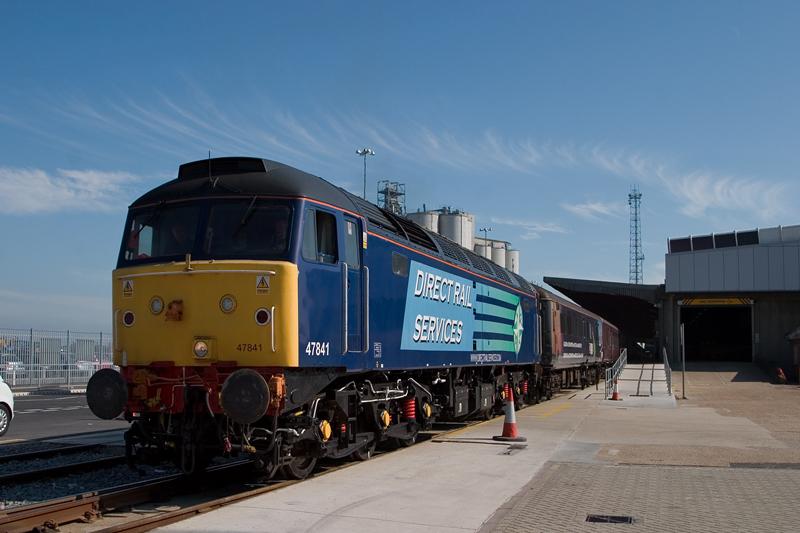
386, 418
325, 430
426, 410
196, 293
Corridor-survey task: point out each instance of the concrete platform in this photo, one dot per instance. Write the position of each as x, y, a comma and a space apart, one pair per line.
466, 482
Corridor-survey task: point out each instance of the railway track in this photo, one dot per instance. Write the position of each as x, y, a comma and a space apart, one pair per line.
87, 507
25, 475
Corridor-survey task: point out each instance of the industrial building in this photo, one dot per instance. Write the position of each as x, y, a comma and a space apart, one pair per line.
736, 294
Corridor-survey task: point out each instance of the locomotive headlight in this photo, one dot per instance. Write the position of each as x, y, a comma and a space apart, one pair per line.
128, 318
263, 317
200, 349
227, 304
156, 305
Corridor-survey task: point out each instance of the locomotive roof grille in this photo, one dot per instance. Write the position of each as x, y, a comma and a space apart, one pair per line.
450, 249
523, 282
374, 214
480, 263
500, 272
413, 232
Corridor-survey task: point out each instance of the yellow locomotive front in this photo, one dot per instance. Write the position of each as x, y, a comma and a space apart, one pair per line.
205, 301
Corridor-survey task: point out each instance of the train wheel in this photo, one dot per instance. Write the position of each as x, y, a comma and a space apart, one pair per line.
405, 442
299, 467
365, 453
536, 395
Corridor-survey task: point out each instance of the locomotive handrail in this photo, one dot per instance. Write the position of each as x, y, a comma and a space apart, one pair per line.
114, 336
272, 326
667, 369
345, 347
192, 272
365, 313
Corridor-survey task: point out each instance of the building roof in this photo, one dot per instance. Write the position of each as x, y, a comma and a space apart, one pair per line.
760, 260
648, 293
630, 307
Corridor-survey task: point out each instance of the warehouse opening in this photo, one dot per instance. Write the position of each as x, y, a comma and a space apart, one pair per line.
718, 333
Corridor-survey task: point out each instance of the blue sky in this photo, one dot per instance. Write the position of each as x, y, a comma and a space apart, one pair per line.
537, 117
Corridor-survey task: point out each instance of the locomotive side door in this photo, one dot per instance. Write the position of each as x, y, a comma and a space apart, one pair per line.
352, 276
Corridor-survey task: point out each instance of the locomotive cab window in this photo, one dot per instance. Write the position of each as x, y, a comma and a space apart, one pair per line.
161, 232
319, 237
352, 240
251, 228
235, 229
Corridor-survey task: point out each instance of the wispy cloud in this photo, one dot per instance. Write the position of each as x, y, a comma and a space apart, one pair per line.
698, 192
30, 191
195, 122
595, 210
530, 229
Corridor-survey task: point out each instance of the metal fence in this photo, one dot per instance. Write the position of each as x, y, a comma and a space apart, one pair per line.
40, 358
667, 369
612, 373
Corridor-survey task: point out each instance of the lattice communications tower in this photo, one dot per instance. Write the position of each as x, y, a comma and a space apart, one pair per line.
635, 255
392, 196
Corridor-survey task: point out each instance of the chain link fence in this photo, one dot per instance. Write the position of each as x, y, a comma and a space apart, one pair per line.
31, 357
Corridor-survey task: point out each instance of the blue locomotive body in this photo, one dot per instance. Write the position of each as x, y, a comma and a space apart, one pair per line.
408, 309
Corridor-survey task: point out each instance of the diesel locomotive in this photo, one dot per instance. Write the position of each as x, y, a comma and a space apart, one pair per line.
261, 310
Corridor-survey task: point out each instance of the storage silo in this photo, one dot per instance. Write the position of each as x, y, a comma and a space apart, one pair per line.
459, 227
499, 253
483, 251
427, 219
512, 260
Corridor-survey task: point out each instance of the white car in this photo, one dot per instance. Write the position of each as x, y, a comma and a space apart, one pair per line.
6, 407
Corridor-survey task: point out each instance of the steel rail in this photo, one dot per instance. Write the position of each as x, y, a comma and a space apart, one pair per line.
59, 470
41, 454
88, 506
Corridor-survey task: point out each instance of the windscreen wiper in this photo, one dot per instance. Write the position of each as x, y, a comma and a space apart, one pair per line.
245, 217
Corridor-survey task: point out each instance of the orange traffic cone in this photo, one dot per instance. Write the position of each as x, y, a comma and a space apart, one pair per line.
615, 395
510, 424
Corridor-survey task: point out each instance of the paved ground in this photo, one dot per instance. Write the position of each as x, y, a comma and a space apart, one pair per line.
727, 459
658, 498
37, 416
671, 468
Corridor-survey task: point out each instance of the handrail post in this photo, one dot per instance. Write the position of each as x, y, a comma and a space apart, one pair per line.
345, 347
365, 308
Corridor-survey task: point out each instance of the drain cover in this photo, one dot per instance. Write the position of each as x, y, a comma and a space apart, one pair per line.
609, 519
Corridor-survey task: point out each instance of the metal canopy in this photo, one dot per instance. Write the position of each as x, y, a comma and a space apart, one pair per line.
631, 307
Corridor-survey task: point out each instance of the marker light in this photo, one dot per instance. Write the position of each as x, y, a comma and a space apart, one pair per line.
156, 305
200, 349
262, 317
227, 304
128, 318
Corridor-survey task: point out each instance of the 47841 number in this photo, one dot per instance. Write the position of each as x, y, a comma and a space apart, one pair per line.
318, 348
